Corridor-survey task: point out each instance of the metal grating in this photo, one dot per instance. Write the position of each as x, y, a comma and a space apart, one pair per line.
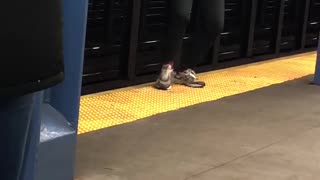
313, 27
232, 40
266, 27
124, 36
153, 24
107, 34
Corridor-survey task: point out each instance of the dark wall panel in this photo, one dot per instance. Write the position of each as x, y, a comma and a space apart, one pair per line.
106, 41
124, 37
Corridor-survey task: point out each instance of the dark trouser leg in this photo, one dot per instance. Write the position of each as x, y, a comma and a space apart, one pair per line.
179, 16
208, 25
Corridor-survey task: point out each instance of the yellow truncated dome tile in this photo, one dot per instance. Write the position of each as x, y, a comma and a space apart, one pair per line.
103, 110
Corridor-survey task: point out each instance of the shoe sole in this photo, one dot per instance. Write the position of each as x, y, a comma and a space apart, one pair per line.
195, 85
163, 87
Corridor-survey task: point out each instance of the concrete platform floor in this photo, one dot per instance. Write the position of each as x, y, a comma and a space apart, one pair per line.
267, 134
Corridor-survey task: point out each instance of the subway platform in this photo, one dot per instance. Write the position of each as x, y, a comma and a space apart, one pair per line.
253, 122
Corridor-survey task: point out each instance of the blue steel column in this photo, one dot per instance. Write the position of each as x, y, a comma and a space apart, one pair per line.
31, 152
65, 97
16, 119
317, 72
61, 108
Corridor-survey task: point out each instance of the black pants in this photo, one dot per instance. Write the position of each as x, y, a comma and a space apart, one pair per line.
208, 23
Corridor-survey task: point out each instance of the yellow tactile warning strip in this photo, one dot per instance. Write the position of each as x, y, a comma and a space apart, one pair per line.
122, 106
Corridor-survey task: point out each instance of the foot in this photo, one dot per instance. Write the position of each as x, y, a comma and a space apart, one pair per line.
189, 78
164, 81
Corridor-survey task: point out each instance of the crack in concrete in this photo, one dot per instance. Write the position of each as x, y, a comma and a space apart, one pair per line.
251, 153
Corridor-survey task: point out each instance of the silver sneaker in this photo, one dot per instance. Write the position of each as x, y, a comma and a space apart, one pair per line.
189, 78
164, 81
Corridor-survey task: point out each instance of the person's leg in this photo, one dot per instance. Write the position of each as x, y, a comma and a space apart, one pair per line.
208, 24
178, 18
